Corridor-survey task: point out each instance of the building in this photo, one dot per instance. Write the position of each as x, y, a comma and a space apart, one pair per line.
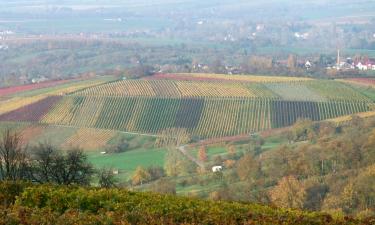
367, 65
308, 65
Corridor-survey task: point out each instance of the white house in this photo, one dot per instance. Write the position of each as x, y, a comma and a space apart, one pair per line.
308, 64
217, 169
361, 66
303, 36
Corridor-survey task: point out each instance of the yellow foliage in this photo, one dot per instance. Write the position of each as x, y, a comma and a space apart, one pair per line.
343, 119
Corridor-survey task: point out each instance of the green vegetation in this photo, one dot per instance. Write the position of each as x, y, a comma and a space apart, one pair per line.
127, 162
54, 205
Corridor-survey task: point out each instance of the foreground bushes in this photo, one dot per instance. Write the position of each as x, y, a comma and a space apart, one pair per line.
47, 204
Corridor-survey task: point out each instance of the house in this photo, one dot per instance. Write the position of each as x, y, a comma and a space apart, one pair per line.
260, 27
217, 169
361, 66
368, 65
308, 65
302, 36
39, 80
371, 64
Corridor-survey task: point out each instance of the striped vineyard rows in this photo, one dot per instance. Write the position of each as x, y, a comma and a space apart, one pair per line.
202, 117
32, 112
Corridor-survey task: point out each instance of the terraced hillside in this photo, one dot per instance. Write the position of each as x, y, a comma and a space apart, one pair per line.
206, 108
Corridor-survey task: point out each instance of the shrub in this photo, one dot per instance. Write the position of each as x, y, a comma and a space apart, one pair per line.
48, 204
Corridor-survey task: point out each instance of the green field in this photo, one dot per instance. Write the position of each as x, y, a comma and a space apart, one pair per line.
128, 161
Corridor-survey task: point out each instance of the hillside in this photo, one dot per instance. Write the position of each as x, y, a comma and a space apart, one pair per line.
46, 204
289, 142
214, 106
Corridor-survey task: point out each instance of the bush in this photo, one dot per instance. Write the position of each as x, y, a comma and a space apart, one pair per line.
47, 204
9, 190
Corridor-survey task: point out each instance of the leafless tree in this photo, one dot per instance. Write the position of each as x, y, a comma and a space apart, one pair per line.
55, 166
13, 157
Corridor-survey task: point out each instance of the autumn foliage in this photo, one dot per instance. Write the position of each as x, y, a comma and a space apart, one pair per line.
46, 204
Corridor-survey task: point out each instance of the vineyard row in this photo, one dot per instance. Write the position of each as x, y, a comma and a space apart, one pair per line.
201, 117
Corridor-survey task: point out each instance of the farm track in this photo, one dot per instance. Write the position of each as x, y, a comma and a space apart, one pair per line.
183, 150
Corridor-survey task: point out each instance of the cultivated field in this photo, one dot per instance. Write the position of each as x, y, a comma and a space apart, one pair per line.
215, 106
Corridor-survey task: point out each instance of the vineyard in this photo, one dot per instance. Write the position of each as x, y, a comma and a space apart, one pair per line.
173, 89
360, 81
210, 117
206, 109
91, 139
224, 77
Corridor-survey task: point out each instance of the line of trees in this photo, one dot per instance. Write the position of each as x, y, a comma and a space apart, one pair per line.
47, 164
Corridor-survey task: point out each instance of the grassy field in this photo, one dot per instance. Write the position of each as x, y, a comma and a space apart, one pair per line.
127, 162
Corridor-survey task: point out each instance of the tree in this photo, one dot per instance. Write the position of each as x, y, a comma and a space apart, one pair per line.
44, 157
172, 158
232, 150
52, 165
247, 168
140, 176
13, 157
120, 146
164, 186
289, 193
106, 178
303, 130
202, 154
218, 66
173, 137
259, 64
156, 172
315, 194
139, 71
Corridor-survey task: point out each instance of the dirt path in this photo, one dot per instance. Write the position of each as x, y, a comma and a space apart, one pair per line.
183, 150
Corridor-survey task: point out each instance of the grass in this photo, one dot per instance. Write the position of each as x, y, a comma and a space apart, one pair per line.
273, 142
211, 151
127, 162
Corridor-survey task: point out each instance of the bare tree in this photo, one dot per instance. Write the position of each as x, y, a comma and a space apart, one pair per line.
44, 157
13, 157
51, 165
106, 178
